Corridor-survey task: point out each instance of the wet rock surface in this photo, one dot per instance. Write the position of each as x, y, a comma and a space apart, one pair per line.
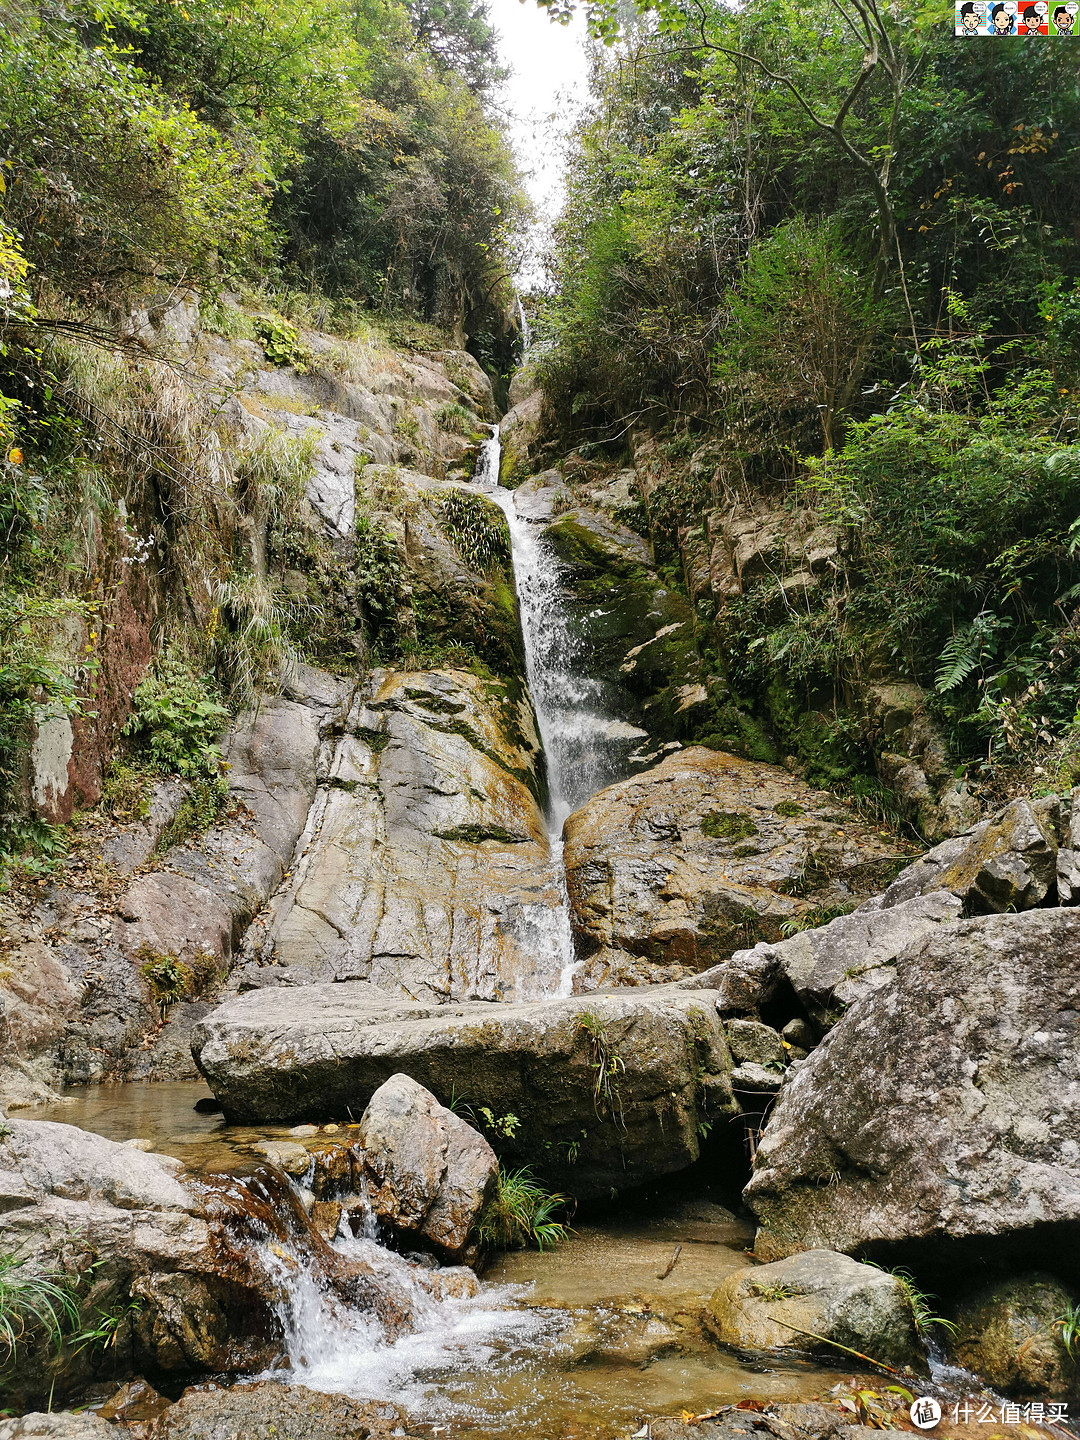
686, 861
1009, 1333
813, 1298
425, 865
289, 1055
937, 1121
268, 1410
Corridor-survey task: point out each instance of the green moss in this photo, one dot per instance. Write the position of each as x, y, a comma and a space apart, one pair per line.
788, 808
728, 825
742, 851
375, 740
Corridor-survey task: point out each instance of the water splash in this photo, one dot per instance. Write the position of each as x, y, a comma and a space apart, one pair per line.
337, 1348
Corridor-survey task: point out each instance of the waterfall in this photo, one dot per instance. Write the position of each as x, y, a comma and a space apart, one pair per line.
443, 1324
580, 741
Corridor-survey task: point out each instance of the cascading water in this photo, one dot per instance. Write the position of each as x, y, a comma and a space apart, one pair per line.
580, 741
336, 1347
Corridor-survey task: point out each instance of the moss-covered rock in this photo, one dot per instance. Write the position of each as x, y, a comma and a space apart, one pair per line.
1010, 1335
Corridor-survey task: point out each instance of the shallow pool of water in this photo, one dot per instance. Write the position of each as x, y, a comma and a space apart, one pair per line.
577, 1343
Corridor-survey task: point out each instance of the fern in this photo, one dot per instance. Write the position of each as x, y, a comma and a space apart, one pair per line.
964, 651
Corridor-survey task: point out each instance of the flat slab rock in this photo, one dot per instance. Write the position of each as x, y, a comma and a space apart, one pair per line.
321, 1051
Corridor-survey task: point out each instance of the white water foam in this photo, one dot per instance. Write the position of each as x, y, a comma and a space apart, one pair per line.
581, 742
339, 1349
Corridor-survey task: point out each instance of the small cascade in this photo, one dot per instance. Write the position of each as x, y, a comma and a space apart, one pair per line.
359, 1319
581, 742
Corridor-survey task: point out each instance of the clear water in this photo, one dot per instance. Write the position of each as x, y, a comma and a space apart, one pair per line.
546, 1341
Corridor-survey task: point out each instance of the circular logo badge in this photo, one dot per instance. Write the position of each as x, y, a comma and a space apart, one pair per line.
925, 1412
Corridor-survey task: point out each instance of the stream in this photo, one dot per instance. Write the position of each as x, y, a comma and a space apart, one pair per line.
581, 1341
584, 1340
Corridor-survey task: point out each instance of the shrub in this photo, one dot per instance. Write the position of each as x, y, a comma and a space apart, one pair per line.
520, 1213
176, 719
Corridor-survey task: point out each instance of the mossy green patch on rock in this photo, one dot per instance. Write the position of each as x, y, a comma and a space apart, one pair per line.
730, 825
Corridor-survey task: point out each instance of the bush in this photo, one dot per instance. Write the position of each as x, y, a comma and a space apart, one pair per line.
111, 179
176, 719
520, 1214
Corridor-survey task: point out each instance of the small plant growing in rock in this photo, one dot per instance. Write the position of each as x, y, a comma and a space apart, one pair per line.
32, 1302
506, 1126
454, 418
1068, 1324
606, 1062
176, 719
170, 978
478, 532
772, 1293
922, 1311
281, 343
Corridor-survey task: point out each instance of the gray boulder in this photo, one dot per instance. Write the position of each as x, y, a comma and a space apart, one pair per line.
57, 1425
810, 1299
939, 1117
1005, 863
620, 1082
831, 967
428, 1172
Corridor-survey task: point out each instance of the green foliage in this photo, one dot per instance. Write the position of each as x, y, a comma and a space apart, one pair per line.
606, 1063
198, 810
1068, 1325
176, 719
920, 1302
171, 979
102, 203
521, 1213
281, 342
477, 529
272, 471
32, 1304
454, 418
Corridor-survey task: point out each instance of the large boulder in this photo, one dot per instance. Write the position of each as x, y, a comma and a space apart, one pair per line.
181, 1265
603, 1094
689, 860
828, 968
811, 1299
122, 1223
428, 1172
937, 1121
1009, 1334
426, 866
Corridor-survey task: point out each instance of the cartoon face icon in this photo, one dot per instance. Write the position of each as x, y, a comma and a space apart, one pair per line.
968, 18
1032, 20
1062, 21
1002, 19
